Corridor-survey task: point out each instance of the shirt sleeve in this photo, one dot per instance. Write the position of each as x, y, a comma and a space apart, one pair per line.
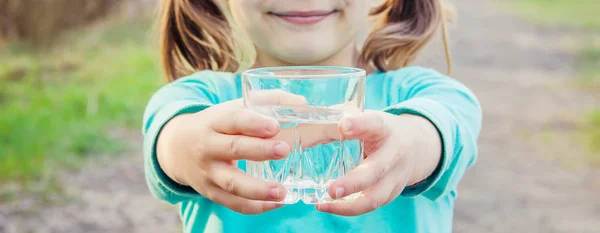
455, 112
186, 95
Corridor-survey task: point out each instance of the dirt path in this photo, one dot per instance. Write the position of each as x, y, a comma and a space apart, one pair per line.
519, 184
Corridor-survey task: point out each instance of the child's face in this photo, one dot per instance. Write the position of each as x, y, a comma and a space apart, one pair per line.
301, 32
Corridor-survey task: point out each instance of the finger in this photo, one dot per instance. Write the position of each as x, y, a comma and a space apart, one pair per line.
238, 121
236, 182
239, 147
369, 126
373, 169
239, 204
362, 205
275, 97
378, 195
365, 203
309, 135
266, 97
348, 108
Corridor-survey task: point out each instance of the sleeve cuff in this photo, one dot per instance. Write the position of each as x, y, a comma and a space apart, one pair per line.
442, 119
160, 184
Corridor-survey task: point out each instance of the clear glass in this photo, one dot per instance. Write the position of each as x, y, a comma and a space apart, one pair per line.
308, 102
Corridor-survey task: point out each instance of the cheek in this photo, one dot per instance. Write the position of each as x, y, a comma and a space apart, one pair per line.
245, 13
357, 12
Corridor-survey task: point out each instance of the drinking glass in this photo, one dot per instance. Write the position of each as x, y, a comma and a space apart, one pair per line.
308, 102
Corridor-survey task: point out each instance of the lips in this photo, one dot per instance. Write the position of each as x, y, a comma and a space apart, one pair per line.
303, 17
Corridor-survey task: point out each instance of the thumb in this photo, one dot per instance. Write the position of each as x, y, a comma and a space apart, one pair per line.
370, 126
267, 97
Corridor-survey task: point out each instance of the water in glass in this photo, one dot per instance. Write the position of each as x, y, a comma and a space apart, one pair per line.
319, 155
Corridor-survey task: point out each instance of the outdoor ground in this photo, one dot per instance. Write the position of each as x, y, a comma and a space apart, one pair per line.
532, 175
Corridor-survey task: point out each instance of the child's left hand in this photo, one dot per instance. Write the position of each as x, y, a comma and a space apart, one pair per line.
400, 151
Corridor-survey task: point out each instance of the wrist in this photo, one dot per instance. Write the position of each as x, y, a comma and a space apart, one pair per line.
166, 145
426, 149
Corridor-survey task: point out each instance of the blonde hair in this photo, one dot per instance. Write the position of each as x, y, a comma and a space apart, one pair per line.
197, 35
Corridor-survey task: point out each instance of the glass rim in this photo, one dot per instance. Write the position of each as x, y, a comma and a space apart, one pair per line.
266, 72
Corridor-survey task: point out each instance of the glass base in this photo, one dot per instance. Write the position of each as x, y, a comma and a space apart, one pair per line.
312, 196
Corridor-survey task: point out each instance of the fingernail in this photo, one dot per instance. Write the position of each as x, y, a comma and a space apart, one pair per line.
271, 127
280, 150
274, 193
339, 192
323, 207
347, 126
271, 206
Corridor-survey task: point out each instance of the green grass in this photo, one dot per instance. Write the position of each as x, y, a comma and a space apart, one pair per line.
59, 106
570, 13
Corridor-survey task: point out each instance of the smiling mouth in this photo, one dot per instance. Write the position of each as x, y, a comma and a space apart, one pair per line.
303, 17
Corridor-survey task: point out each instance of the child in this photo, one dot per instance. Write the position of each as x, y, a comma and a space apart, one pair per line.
420, 129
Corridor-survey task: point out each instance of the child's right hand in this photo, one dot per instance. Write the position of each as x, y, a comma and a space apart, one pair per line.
200, 150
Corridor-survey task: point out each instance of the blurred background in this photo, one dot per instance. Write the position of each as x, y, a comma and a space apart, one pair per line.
75, 76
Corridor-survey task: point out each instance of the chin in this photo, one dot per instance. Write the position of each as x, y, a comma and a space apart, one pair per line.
305, 53
303, 58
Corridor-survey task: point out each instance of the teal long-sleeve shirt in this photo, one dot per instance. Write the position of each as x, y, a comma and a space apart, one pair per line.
427, 207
